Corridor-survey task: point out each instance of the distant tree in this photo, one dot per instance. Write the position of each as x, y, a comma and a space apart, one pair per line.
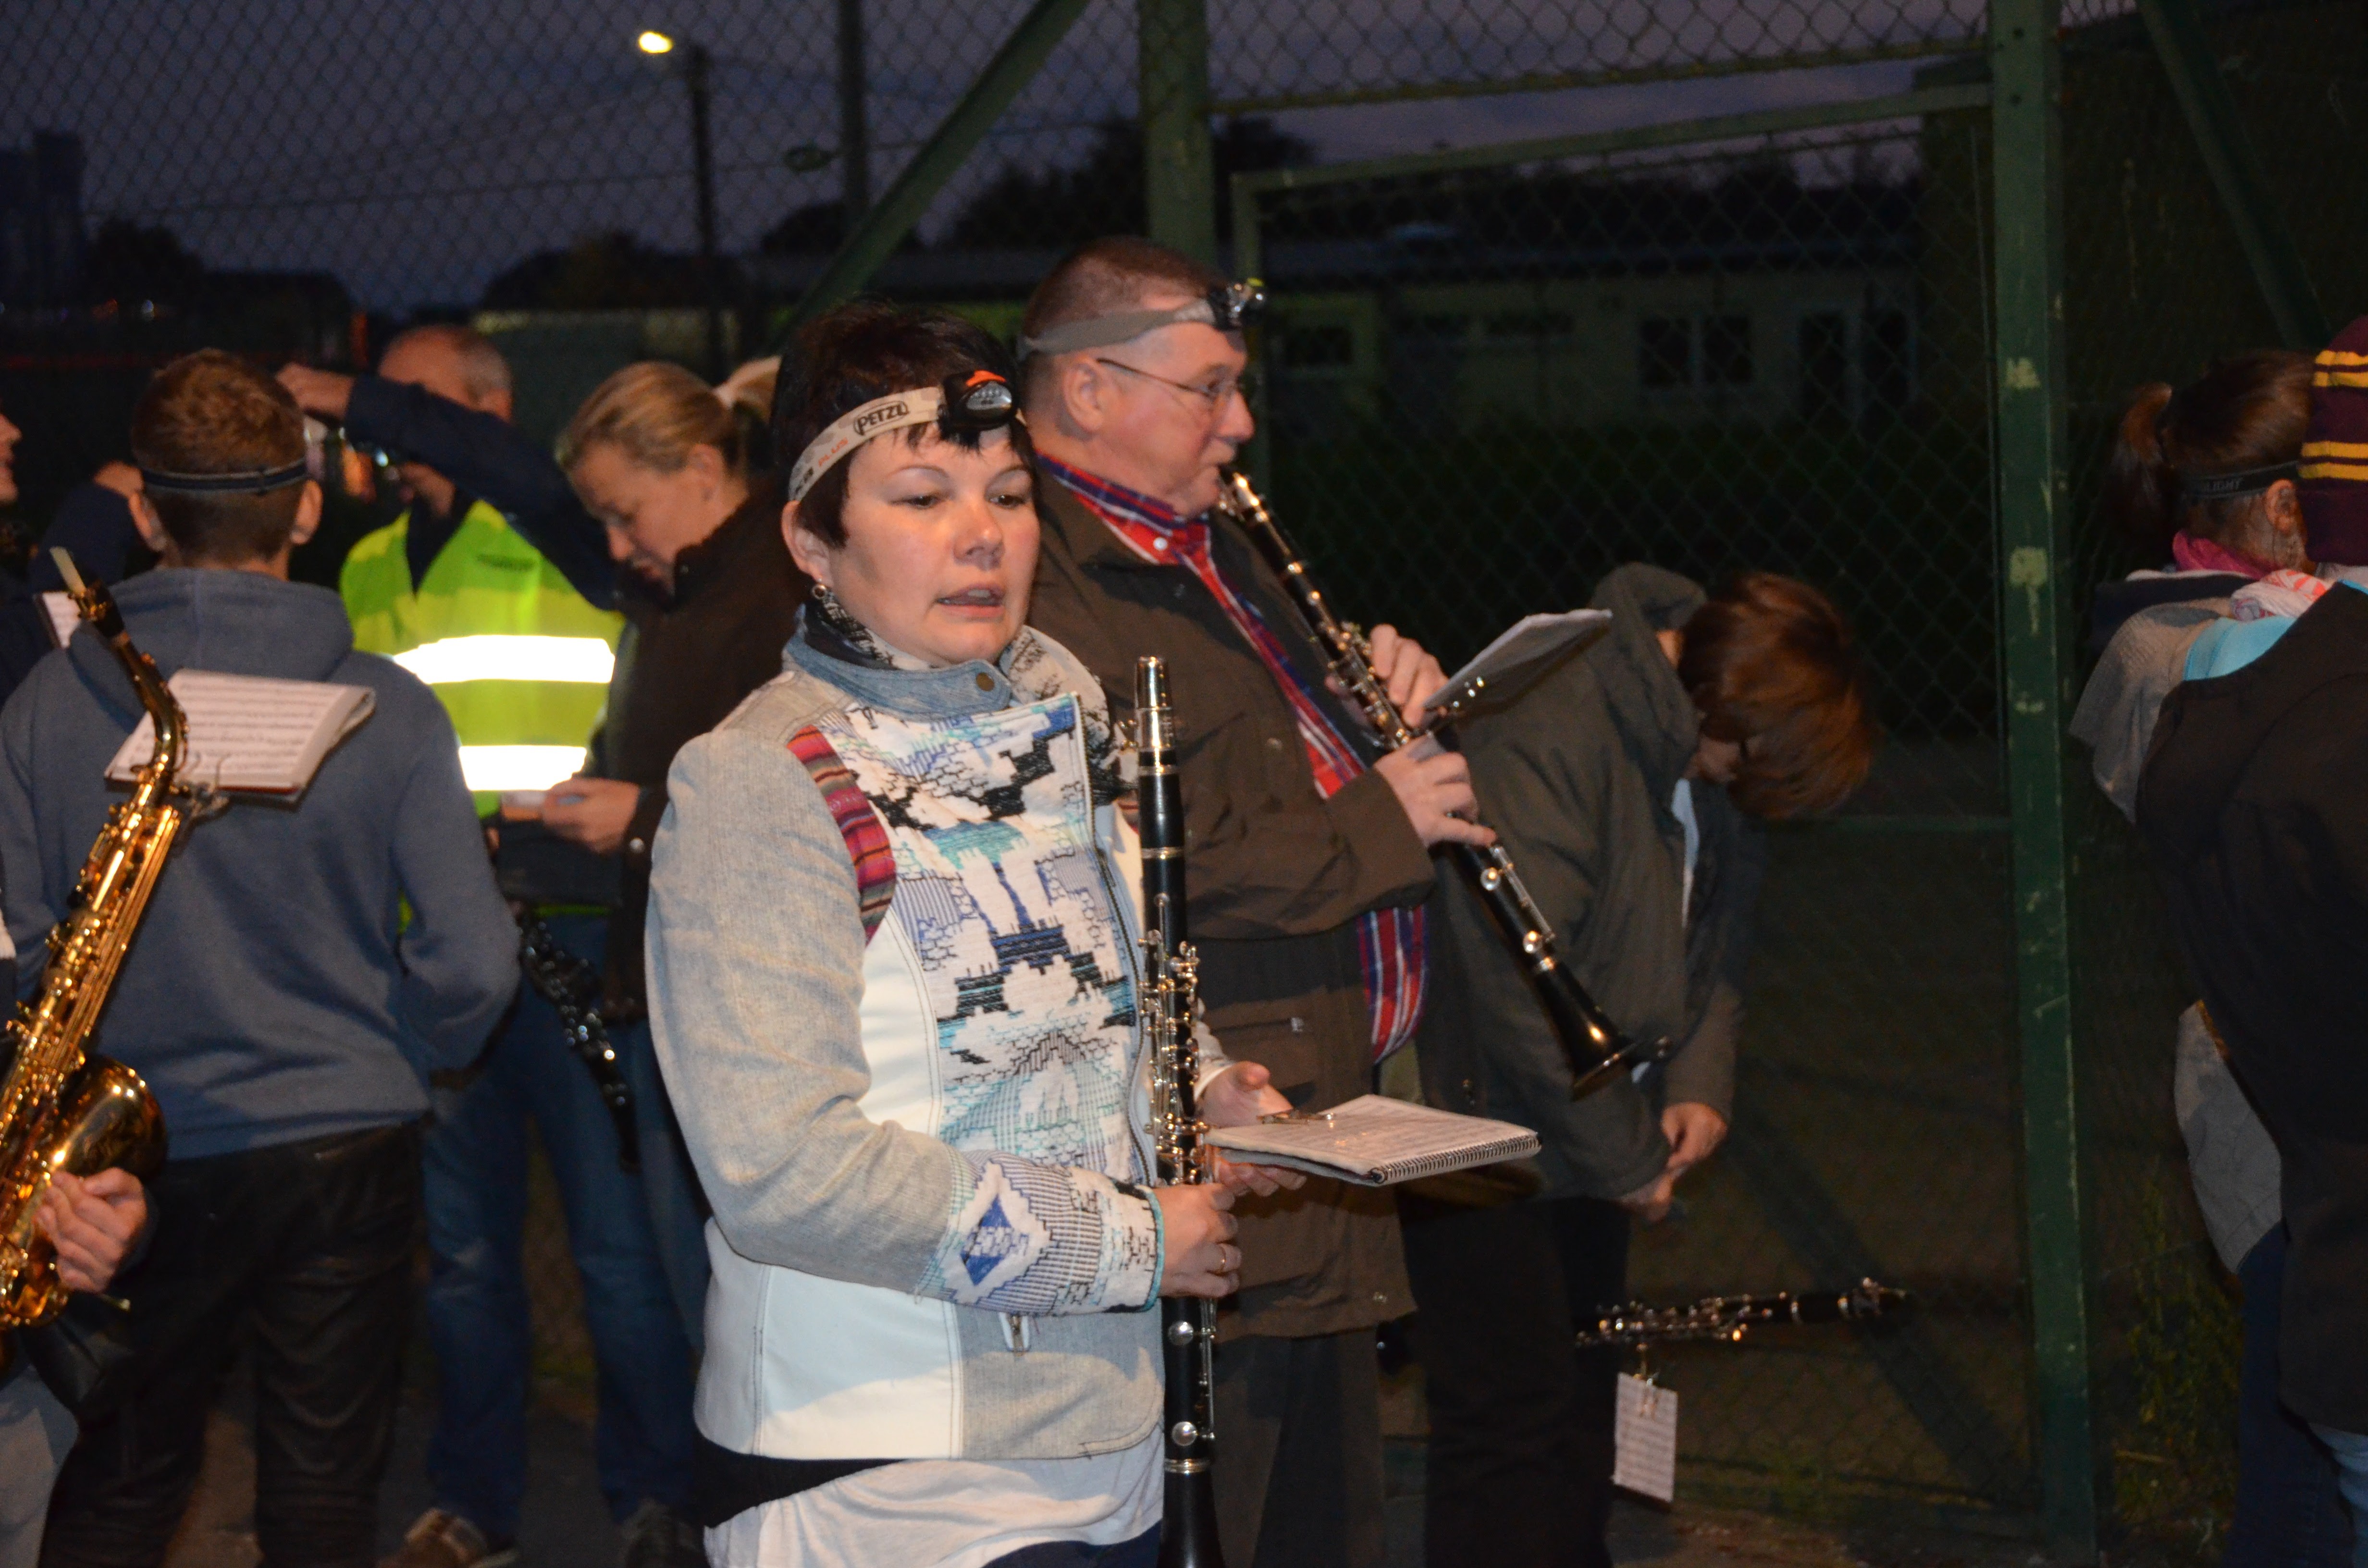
133, 261
817, 227
1063, 205
612, 271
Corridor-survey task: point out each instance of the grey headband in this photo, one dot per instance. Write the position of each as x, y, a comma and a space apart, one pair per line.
1229, 307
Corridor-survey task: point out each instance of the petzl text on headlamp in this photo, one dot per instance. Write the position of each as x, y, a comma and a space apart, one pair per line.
1229, 307
967, 403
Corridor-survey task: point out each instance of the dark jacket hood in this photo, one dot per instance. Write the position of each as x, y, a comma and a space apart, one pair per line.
237, 623
1656, 717
2186, 788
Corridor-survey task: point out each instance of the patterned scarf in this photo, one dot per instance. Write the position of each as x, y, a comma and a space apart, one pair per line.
1390, 939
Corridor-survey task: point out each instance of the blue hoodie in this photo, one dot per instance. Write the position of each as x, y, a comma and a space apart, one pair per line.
276, 990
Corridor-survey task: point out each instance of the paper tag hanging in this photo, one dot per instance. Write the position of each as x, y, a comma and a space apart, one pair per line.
1645, 1439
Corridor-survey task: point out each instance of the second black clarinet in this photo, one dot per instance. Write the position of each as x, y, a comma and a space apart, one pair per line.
1599, 1050
1188, 1326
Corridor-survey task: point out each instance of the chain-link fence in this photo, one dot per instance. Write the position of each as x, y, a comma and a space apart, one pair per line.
1489, 386
1490, 376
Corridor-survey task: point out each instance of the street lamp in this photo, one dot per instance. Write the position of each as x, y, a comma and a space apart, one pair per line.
695, 65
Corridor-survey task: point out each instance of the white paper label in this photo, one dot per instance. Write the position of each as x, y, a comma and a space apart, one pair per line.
1645, 1439
63, 617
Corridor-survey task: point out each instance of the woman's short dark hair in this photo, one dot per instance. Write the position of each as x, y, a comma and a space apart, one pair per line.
1771, 663
213, 413
865, 350
2246, 411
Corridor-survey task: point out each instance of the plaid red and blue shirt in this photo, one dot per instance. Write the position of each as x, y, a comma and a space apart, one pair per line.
1390, 939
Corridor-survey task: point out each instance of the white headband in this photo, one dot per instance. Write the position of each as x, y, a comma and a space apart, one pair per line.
857, 426
982, 401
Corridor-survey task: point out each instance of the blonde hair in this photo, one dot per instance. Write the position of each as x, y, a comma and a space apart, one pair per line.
653, 414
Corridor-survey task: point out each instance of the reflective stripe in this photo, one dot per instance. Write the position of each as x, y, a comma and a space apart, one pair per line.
490, 769
585, 661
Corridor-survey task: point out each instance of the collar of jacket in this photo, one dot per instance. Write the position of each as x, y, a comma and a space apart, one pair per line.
1092, 544
971, 686
718, 556
1651, 708
425, 533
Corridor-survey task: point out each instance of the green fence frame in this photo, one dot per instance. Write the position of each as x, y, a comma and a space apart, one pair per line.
2029, 414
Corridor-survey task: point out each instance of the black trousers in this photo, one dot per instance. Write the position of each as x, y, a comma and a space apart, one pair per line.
1518, 1473
305, 1250
1299, 1452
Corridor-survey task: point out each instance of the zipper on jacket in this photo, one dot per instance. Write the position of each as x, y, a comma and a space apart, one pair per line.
1019, 1334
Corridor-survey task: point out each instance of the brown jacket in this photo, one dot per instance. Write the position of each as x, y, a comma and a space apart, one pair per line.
1276, 876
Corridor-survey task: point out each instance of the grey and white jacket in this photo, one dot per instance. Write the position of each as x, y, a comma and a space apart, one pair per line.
931, 1235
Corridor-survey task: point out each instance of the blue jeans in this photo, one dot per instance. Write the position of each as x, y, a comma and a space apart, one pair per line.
477, 1308
2289, 1514
2352, 1464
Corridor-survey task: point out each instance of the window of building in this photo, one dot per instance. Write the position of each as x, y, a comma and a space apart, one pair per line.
1726, 351
1665, 352
1531, 324
1825, 366
1887, 362
1444, 327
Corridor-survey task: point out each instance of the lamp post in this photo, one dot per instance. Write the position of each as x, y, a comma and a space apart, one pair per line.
854, 127
695, 68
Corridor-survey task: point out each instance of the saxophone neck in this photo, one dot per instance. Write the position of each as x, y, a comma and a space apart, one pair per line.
98, 607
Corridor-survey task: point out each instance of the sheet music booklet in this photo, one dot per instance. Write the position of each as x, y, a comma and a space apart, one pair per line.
1376, 1142
252, 734
1520, 653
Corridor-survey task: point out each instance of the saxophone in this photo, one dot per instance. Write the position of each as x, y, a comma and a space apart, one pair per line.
1188, 1326
63, 1108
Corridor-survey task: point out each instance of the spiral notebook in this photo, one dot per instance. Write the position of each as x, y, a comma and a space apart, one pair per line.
1376, 1142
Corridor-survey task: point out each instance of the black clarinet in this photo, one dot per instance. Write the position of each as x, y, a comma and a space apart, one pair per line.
1597, 1049
1730, 1318
1187, 1325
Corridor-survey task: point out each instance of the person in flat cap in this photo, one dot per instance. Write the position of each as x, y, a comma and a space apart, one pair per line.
2249, 803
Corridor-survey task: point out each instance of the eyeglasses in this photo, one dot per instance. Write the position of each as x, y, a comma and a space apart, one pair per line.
1212, 394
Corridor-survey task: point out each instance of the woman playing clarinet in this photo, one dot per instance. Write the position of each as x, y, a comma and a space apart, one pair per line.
893, 965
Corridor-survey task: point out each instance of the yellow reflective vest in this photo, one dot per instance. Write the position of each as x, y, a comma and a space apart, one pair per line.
520, 660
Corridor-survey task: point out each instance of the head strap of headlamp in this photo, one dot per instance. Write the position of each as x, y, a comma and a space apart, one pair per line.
254, 481
2198, 487
968, 403
1229, 307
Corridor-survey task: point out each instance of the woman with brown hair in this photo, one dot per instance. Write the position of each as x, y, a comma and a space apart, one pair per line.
2214, 469
1624, 783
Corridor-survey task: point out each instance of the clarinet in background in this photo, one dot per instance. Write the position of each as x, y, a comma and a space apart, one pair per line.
1188, 1326
1599, 1049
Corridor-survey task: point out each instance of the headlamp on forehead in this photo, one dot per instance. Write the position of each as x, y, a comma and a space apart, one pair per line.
967, 403
1228, 307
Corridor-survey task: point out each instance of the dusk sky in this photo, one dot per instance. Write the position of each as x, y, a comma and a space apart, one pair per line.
415, 149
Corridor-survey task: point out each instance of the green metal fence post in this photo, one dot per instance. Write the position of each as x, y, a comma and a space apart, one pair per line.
1179, 178
883, 229
2235, 164
2027, 189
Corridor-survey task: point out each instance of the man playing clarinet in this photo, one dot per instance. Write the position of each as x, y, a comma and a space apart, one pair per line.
1308, 856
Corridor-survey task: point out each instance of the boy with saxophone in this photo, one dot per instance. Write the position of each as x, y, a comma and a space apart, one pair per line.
302, 967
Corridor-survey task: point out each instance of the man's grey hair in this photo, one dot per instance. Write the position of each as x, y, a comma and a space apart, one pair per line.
484, 371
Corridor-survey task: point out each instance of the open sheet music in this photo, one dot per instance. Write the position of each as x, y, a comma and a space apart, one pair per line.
1377, 1142
252, 733
1520, 653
